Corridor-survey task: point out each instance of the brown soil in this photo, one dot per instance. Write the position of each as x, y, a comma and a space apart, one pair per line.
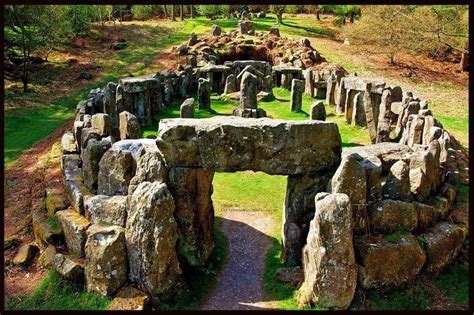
240, 283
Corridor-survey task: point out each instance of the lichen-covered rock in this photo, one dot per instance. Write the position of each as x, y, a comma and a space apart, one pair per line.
350, 179
135, 145
46, 258
129, 126
55, 199
69, 268
129, 299
71, 165
68, 143
192, 189
87, 134
151, 237
230, 84
232, 144
74, 227
116, 169
75, 192
397, 184
248, 90
102, 123
373, 169
384, 119
106, 260
151, 167
106, 209
318, 112
443, 243
187, 108
330, 271
44, 232
297, 89
389, 216
91, 156
422, 163
390, 263
26, 254
427, 215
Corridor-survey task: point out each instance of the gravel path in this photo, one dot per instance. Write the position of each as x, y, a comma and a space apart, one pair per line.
240, 283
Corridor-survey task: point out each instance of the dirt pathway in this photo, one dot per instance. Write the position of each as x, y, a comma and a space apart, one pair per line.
240, 283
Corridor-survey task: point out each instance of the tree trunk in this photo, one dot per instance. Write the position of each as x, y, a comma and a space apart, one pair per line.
165, 10
181, 12
465, 57
192, 11
317, 15
173, 13
279, 17
351, 17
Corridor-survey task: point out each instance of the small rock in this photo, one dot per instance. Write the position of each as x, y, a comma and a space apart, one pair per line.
25, 254
46, 258
129, 299
69, 268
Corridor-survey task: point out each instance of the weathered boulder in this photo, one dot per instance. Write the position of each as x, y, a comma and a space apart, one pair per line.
232, 144
69, 268
129, 299
25, 254
416, 130
75, 192
106, 209
397, 184
358, 111
129, 126
151, 235
55, 199
350, 179
308, 82
388, 263
427, 215
373, 169
216, 30
91, 156
443, 243
187, 108
103, 123
68, 143
46, 258
384, 119
421, 163
274, 31
204, 94
318, 112
88, 134
151, 167
134, 146
297, 88
389, 216
248, 91
330, 271
44, 232
194, 213
106, 262
74, 227
230, 84
115, 172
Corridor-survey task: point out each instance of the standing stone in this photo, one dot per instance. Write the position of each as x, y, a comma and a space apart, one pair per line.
193, 39
215, 30
204, 94
373, 170
341, 98
384, 120
87, 134
106, 262
187, 108
74, 227
297, 87
330, 270
397, 185
110, 106
308, 82
151, 235
350, 179
420, 184
246, 27
358, 111
429, 123
77, 131
102, 123
331, 90
186, 81
151, 167
192, 190
370, 114
115, 172
274, 31
397, 94
129, 126
68, 143
106, 209
268, 84
230, 84
318, 112
248, 91
91, 156
415, 133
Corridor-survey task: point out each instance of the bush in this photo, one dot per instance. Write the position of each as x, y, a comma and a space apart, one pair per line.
142, 12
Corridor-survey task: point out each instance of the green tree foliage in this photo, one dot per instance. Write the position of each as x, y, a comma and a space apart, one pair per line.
102, 13
212, 10
142, 12
80, 17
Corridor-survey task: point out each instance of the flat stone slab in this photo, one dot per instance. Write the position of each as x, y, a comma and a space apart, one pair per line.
359, 83
229, 144
139, 84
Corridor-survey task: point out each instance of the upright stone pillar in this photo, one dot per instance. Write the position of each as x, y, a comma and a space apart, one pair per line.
296, 95
341, 99
331, 90
204, 94
384, 121
248, 91
308, 82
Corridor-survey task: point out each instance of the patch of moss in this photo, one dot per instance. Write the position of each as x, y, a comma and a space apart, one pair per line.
395, 236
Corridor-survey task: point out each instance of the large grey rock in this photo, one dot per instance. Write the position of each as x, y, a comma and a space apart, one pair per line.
384, 119
69, 268
204, 94
415, 132
331, 90
232, 144
318, 112
116, 169
134, 146
389, 216
422, 162
151, 235
192, 189
216, 30
397, 184
91, 156
74, 227
106, 209
308, 82
87, 134
230, 84
68, 143
71, 165
373, 170
371, 114
129, 126
330, 270
75, 192
151, 167
187, 108
103, 123
358, 111
350, 179
297, 88
387, 264
106, 260
248, 91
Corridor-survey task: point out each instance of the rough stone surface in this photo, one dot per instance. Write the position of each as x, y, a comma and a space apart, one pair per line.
292, 275
25, 254
232, 144
68, 143
106, 262
230, 84
330, 271
91, 156
373, 170
384, 119
151, 236
297, 88
129, 299
204, 94
150, 167
397, 184
192, 190
389, 216
187, 108
88, 134
370, 114
115, 172
427, 215
318, 112
75, 192
69, 268
102, 123
46, 258
350, 179
421, 163
106, 209
44, 232
74, 227
443, 244
248, 91
129, 126
386, 264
